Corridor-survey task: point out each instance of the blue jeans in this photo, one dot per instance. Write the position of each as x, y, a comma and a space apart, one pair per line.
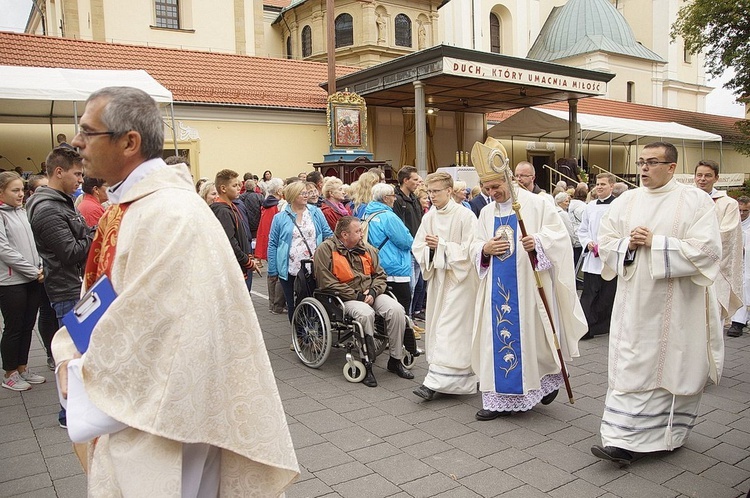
61, 308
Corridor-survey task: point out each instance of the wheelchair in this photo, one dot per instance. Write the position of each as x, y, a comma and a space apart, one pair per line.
319, 324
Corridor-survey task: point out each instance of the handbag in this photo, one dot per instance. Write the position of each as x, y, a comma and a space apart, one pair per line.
304, 284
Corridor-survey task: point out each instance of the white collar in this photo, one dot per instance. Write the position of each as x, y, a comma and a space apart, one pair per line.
118, 190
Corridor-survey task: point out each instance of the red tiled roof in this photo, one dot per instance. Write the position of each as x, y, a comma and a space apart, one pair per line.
720, 125
191, 76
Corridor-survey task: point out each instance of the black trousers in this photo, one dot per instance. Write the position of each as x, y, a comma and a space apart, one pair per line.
288, 287
47, 321
19, 305
402, 291
597, 300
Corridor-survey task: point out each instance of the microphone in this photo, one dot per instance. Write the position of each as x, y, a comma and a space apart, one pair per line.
11, 162
32, 162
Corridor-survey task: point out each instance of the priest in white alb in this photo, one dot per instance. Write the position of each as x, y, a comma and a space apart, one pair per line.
514, 351
741, 317
441, 248
729, 284
662, 243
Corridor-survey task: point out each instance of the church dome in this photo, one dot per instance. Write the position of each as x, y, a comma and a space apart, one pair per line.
584, 26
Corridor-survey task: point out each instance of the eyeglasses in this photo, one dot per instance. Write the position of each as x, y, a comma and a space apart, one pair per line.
651, 164
524, 176
433, 192
86, 135
304, 193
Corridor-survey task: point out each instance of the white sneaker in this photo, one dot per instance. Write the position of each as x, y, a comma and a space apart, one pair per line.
32, 378
15, 383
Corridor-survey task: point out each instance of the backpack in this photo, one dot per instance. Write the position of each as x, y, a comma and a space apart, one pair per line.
366, 226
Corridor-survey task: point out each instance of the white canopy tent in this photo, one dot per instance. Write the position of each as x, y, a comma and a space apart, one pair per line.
39, 94
538, 123
534, 123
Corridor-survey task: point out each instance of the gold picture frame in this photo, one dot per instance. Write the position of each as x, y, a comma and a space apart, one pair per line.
347, 121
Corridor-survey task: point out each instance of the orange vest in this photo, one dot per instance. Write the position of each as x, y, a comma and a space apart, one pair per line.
342, 270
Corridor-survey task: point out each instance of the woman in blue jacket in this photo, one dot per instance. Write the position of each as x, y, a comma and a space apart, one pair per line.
387, 233
295, 233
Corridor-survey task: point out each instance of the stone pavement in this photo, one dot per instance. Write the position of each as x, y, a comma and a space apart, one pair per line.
354, 441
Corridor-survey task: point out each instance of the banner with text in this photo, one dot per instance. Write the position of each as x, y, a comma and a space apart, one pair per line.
725, 179
509, 74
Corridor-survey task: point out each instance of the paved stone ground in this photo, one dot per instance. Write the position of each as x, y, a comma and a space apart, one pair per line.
353, 441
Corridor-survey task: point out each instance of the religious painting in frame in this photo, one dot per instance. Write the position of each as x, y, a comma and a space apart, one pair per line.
347, 121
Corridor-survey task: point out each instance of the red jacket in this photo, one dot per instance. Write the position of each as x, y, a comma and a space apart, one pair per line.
264, 229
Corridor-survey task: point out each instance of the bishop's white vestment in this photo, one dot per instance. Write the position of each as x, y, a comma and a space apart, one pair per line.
666, 337
451, 297
179, 357
513, 349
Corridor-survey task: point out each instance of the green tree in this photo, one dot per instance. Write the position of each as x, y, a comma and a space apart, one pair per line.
721, 29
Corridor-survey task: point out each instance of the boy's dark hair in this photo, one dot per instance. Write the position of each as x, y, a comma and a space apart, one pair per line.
314, 177
670, 151
89, 184
62, 157
225, 176
709, 164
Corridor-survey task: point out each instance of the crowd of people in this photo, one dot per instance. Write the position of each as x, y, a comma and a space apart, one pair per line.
491, 272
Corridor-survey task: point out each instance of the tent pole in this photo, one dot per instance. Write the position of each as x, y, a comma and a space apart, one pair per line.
683, 155
174, 129
610, 151
512, 150
721, 153
75, 116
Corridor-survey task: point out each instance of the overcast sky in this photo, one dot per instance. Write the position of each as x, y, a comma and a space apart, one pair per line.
14, 13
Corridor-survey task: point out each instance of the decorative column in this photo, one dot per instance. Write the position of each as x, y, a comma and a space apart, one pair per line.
420, 118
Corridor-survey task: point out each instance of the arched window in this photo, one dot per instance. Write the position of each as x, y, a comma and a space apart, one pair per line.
344, 31
288, 47
306, 41
402, 25
496, 34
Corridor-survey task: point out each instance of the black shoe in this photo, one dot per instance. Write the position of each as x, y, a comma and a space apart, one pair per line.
546, 400
587, 337
399, 369
487, 415
424, 392
735, 330
369, 379
612, 453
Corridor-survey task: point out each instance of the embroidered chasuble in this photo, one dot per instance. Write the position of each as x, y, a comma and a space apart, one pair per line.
178, 357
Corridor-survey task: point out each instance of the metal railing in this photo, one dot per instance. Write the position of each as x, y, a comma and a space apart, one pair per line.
553, 171
619, 178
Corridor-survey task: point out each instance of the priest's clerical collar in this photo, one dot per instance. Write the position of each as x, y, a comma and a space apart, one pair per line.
606, 201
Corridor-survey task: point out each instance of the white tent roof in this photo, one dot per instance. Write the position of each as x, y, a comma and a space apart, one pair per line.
537, 123
51, 92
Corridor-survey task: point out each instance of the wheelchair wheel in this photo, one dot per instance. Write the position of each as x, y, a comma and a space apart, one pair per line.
311, 332
408, 360
355, 371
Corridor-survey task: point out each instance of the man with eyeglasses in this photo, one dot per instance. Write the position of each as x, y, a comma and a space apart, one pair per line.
740, 319
176, 367
441, 248
513, 351
729, 284
661, 241
525, 175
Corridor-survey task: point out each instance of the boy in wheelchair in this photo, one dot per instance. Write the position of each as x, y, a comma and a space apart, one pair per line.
346, 266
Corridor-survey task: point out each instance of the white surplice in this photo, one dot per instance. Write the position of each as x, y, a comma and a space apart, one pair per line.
539, 363
451, 297
666, 338
729, 284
